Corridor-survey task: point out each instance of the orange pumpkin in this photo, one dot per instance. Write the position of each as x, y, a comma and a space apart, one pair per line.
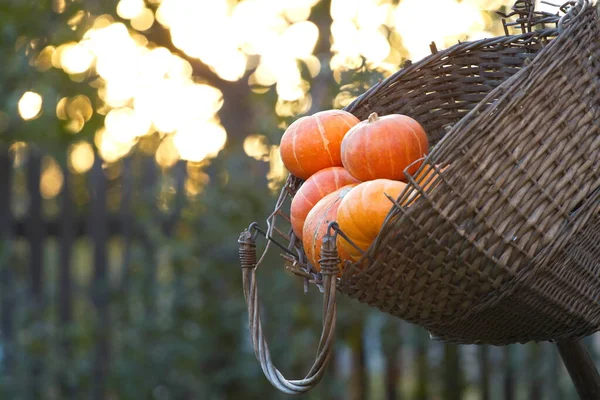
427, 178
361, 213
313, 143
314, 189
382, 148
317, 221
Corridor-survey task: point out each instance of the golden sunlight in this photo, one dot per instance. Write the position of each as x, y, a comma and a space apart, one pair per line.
278, 32
81, 157
277, 171
199, 141
43, 61
52, 178
75, 58
144, 90
30, 105
299, 40
257, 147
167, 155
18, 150
111, 146
80, 107
126, 125
143, 21
365, 28
129, 9
448, 22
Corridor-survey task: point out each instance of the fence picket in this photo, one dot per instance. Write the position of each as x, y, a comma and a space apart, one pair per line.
149, 180
35, 235
534, 367
553, 390
452, 373
392, 341
483, 355
6, 273
180, 172
126, 226
355, 340
509, 373
421, 365
100, 285
533, 371
65, 295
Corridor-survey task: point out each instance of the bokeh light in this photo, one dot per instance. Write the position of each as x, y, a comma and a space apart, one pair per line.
18, 150
43, 61
75, 58
277, 171
167, 154
52, 178
257, 147
143, 21
30, 105
450, 22
197, 142
376, 30
129, 9
144, 89
277, 32
81, 157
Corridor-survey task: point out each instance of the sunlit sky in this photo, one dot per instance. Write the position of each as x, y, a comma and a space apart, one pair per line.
145, 89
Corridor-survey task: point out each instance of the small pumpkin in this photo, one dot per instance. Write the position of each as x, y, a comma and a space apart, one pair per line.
316, 187
383, 147
317, 221
427, 177
362, 211
313, 143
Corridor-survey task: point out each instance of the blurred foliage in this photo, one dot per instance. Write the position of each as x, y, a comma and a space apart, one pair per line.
26, 27
178, 323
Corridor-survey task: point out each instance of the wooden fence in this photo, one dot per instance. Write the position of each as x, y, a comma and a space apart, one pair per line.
38, 307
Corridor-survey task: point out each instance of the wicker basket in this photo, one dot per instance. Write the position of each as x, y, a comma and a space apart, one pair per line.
505, 248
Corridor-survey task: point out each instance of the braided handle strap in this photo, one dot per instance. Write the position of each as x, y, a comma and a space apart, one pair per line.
329, 269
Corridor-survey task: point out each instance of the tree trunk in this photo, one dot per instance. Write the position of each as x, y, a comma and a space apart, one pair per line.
323, 86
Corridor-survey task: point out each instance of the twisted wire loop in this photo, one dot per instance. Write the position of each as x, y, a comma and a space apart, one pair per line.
329, 257
572, 10
247, 250
248, 259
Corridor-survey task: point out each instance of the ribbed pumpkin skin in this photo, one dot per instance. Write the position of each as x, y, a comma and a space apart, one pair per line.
314, 189
313, 143
382, 147
361, 213
317, 221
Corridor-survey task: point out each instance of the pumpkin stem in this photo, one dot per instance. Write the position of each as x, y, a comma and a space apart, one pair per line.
373, 117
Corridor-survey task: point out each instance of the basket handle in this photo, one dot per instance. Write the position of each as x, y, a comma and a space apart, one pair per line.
329, 269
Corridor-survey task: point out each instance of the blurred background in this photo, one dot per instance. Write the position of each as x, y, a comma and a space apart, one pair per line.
138, 138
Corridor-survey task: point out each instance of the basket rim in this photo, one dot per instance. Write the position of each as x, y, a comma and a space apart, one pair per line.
525, 275
467, 121
293, 183
459, 47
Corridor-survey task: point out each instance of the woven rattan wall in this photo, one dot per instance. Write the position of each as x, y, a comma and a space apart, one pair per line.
504, 249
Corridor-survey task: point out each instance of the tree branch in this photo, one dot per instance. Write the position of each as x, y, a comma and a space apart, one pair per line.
161, 36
